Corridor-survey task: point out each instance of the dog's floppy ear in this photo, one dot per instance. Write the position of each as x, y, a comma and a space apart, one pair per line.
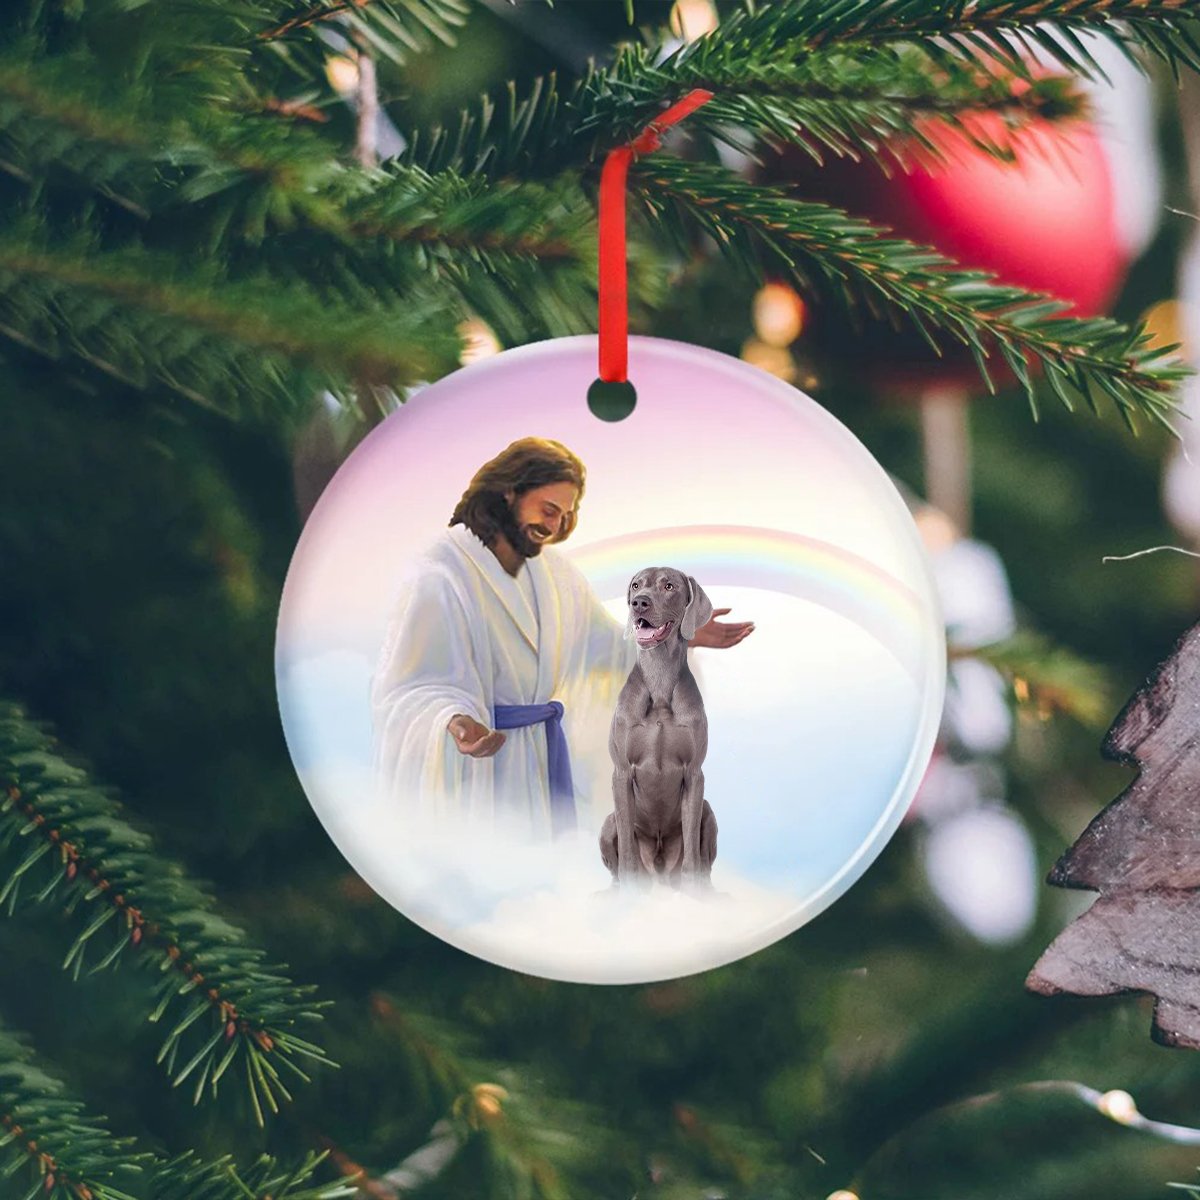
698, 612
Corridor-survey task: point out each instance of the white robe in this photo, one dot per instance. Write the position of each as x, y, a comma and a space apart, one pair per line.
464, 639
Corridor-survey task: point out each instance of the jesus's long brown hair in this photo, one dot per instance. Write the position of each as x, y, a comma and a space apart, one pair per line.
527, 463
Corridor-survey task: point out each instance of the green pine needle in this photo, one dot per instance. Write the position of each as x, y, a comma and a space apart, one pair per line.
1051, 679
244, 347
1094, 358
222, 999
392, 29
869, 102
77, 1155
189, 1177
982, 32
335, 279
73, 1149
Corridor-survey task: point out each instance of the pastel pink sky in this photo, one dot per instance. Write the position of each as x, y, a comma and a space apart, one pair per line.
711, 441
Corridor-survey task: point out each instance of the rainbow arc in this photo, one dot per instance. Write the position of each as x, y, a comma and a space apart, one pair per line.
774, 560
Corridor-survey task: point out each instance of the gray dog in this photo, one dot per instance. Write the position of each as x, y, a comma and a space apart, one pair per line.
662, 824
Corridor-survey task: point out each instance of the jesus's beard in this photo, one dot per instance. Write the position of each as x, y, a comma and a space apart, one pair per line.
516, 535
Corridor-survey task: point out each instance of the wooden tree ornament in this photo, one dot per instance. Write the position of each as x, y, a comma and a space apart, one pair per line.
1142, 854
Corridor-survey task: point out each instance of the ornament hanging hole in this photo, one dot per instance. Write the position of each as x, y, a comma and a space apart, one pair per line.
612, 400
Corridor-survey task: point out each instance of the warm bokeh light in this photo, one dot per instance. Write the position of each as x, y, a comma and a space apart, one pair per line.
1166, 323
481, 341
775, 360
842, 1195
488, 1097
342, 73
937, 530
778, 314
692, 19
1119, 1106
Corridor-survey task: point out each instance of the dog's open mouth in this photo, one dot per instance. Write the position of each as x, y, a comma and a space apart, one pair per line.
647, 635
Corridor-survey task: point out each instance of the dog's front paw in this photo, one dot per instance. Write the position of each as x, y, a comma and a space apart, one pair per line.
696, 883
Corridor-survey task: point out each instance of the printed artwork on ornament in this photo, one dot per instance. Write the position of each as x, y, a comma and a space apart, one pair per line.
610, 701
501, 666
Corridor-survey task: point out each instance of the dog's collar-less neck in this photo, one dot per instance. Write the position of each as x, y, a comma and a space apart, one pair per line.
662, 666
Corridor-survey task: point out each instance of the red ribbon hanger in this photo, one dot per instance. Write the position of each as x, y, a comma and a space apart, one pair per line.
614, 285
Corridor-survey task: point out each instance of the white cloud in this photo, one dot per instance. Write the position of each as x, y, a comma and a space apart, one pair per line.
324, 703
550, 909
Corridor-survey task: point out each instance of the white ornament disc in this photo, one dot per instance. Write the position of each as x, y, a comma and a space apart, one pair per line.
820, 722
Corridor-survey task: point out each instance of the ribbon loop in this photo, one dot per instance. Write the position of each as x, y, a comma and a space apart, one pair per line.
614, 284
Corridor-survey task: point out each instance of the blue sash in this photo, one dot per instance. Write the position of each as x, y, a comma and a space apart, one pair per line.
558, 761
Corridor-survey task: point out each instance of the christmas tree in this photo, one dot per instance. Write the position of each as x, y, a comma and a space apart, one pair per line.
236, 234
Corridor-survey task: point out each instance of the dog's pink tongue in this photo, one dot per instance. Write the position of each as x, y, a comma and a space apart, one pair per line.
648, 637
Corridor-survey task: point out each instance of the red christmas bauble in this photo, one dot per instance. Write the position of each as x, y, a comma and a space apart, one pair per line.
1045, 221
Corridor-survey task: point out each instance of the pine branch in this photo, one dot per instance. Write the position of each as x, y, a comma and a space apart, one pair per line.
64, 842
1193, 1190
796, 50
510, 220
1089, 358
523, 256
1050, 679
312, 16
59, 123
47, 1139
973, 31
70, 1155
41, 125
217, 341
260, 192
531, 137
486, 247
875, 102
521, 1127
394, 29
189, 1178
419, 1168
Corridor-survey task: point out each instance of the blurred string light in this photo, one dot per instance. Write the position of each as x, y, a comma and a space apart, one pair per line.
342, 73
936, 529
1117, 1105
487, 1101
779, 315
693, 19
479, 341
775, 360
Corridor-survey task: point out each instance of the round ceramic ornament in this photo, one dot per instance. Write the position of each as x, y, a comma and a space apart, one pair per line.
610, 700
